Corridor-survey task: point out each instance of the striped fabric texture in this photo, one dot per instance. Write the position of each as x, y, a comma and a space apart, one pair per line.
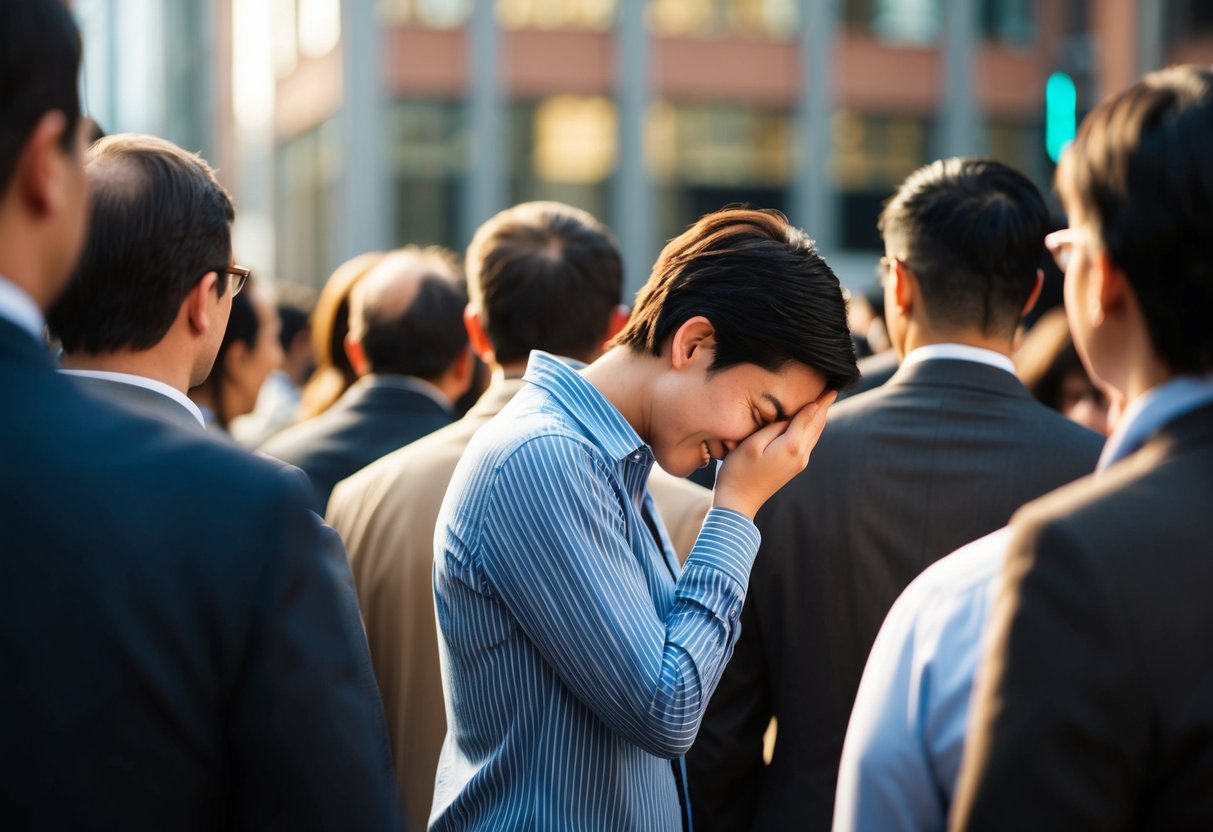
577, 658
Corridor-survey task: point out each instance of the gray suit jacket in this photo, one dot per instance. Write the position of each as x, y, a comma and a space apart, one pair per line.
942, 454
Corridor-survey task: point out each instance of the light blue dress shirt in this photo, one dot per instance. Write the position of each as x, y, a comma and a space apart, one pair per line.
906, 735
577, 658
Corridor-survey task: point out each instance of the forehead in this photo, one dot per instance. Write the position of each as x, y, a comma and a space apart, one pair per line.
787, 389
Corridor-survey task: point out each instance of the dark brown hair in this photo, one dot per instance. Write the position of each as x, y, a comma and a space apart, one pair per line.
762, 284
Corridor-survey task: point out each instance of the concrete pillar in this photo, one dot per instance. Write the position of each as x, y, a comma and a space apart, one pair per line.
962, 134
485, 178
633, 215
814, 202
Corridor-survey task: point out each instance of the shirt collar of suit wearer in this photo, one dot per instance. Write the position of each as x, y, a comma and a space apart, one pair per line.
18, 307
959, 352
1153, 410
146, 383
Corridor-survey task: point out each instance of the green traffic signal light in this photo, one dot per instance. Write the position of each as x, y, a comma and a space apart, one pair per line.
1061, 110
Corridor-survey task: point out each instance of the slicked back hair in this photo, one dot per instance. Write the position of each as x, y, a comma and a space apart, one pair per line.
760, 281
159, 223
1140, 172
39, 65
972, 232
544, 276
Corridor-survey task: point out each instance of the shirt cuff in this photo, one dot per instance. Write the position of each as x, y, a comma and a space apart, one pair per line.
728, 542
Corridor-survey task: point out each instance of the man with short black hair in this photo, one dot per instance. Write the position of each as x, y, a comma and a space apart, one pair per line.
144, 315
941, 454
541, 275
179, 643
407, 344
1093, 708
577, 655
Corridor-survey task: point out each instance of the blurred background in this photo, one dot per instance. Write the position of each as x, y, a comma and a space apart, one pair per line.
342, 126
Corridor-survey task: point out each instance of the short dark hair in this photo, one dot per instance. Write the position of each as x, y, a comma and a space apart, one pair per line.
1140, 171
427, 337
764, 287
295, 305
544, 276
39, 67
159, 223
972, 232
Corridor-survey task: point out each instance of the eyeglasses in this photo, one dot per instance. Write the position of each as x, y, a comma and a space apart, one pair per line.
239, 276
1061, 245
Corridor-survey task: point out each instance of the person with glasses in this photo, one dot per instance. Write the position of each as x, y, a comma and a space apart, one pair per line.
147, 308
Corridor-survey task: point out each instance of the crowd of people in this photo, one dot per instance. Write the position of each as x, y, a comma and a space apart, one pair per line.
432, 547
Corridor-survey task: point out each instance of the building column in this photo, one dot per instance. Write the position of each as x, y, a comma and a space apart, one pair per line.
962, 133
363, 209
1150, 35
633, 210
487, 139
814, 201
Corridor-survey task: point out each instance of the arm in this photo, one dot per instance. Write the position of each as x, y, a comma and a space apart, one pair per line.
885, 779
306, 727
1060, 727
556, 553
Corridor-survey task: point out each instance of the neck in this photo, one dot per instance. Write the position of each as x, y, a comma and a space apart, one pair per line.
624, 377
922, 337
146, 363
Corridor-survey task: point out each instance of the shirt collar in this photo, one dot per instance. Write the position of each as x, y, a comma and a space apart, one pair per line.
146, 383
600, 419
959, 352
18, 307
1151, 411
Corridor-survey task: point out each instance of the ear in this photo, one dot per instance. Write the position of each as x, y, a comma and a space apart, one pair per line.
616, 323
197, 304
478, 340
694, 341
904, 285
42, 168
1109, 293
356, 355
1035, 296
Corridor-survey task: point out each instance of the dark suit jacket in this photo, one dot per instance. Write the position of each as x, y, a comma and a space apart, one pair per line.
1101, 658
143, 401
942, 454
180, 647
373, 418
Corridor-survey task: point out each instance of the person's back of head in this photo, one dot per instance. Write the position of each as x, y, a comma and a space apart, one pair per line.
160, 229
406, 315
42, 188
971, 231
544, 276
1138, 184
759, 280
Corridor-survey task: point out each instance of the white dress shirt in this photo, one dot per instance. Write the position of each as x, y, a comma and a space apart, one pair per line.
959, 352
146, 383
18, 307
904, 742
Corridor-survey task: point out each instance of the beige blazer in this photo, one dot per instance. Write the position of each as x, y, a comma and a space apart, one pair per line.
386, 514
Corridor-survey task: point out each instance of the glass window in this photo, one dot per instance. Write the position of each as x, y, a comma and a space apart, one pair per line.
428, 159
1008, 21
564, 148
920, 22
704, 157
556, 14
306, 182
433, 14
706, 18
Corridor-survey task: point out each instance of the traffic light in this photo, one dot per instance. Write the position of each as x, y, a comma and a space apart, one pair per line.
1061, 113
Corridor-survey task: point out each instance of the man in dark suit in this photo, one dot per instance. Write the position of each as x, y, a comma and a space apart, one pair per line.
179, 641
940, 455
408, 345
139, 322
1095, 705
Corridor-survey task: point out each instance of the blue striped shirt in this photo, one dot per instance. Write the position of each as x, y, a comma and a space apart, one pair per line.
577, 658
